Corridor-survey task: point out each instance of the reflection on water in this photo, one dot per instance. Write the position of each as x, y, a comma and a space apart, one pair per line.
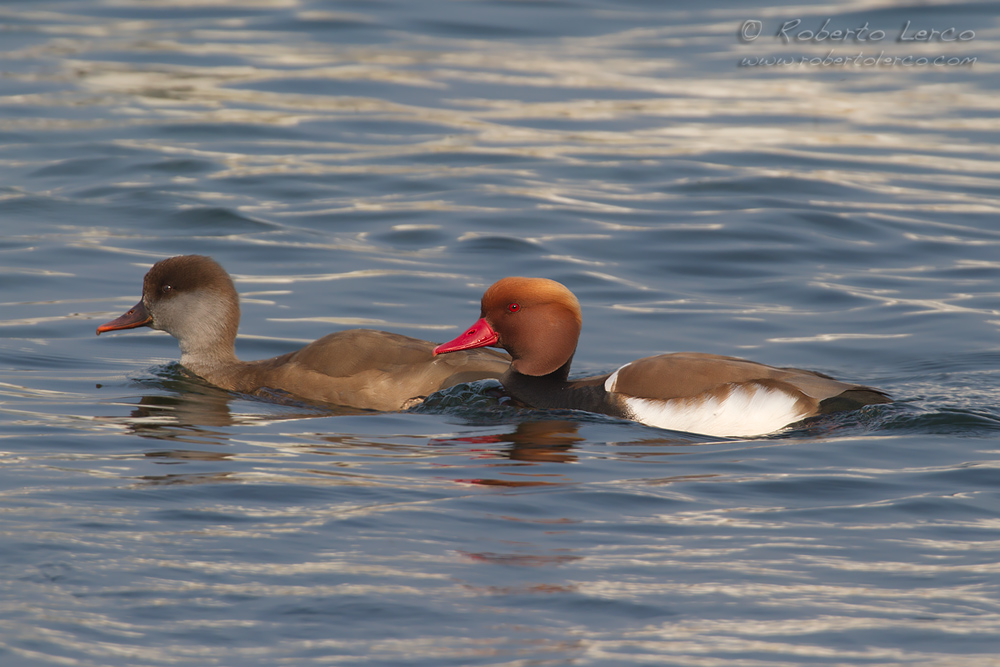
185, 408
548, 440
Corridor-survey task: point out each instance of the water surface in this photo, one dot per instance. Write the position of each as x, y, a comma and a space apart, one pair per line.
379, 165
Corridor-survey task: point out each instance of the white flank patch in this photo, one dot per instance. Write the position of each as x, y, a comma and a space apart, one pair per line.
612, 381
747, 410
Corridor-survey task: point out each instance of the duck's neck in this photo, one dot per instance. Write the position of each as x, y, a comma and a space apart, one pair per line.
216, 362
555, 391
208, 349
205, 326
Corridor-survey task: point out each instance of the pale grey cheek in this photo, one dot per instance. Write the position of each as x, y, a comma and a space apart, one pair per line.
190, 316
172, 315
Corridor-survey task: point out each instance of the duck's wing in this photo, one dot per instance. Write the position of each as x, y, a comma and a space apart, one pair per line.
376, 370
721, 395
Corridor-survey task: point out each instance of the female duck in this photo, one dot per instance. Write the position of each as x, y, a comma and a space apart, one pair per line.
193, 299
538, 322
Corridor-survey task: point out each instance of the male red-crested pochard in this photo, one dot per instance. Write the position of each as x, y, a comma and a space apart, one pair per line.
193, 299
538, 321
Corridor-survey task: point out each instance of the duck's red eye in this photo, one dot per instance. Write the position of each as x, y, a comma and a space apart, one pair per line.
513, 307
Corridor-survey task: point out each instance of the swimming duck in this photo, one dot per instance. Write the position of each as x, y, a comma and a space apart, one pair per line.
192, 298
538, 322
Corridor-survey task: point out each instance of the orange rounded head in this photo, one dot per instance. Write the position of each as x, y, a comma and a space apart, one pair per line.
535, 319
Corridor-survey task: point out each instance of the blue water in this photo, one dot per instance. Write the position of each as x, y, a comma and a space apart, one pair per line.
380, 164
